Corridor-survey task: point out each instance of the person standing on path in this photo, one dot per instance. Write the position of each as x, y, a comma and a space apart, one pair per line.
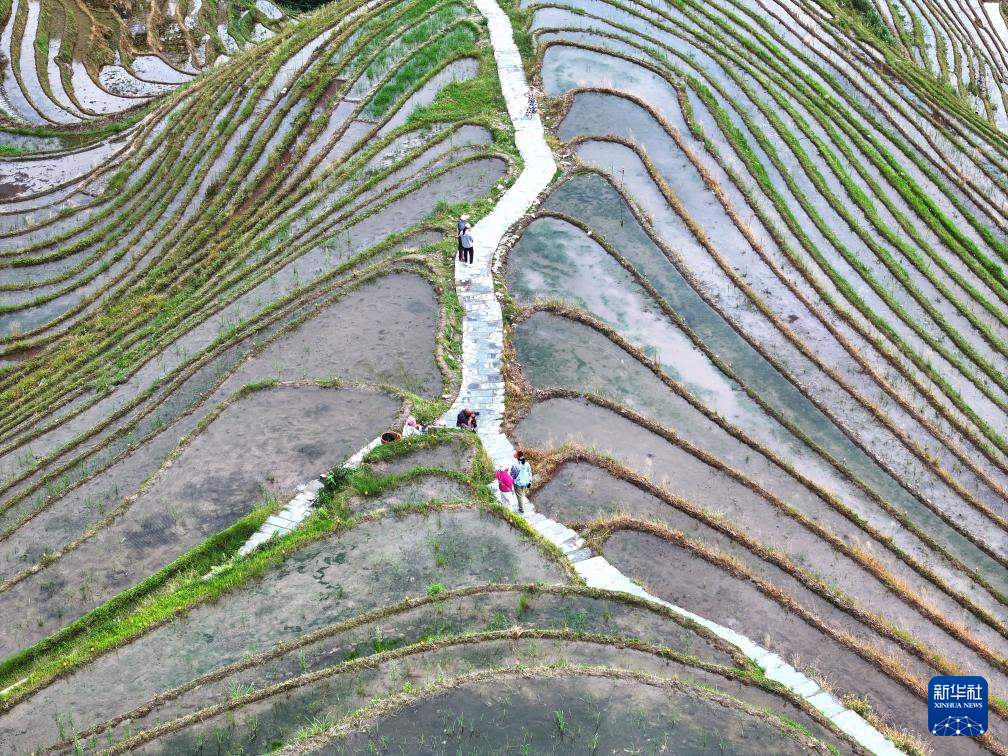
521, 474
460, 228
466, 245
505, 485
532, 107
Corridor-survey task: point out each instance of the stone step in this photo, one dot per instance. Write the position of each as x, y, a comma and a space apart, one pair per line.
604, 578
806, 688
258, 538
597, 572
623, 584
565, 535
636, 590
570, 545
296, 516
592, 564
611, 580
826, 703
277, 521
852, 723
549, 528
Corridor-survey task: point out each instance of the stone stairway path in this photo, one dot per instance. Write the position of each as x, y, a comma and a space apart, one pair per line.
483, 327
483, 384
298, 508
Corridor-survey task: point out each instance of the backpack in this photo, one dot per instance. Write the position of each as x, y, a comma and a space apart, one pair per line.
516, 470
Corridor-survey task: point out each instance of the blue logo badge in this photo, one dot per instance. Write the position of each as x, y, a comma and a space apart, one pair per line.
957, 705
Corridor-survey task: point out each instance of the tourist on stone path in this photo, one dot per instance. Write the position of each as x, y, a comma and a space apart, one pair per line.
411, 428
533, 107
466, 245
505, 484
521, 474
466, 419
461, 227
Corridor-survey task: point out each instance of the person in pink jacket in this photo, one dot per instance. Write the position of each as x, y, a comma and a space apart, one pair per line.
505, 484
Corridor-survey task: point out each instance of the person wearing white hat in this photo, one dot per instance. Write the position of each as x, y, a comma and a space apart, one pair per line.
466, 245
461, 227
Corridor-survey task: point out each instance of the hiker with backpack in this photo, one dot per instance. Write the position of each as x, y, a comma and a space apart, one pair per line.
521, 474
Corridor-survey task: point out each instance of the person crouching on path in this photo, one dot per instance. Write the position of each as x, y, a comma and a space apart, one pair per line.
411, 428
466, 245
466, 420
521, 474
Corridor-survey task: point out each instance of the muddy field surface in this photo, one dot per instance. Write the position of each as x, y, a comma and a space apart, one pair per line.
489, 611
384, 332
342, 340
259, 448
371, 566
569, 716
738, 604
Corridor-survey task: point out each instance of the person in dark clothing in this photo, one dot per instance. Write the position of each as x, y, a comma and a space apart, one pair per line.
466, 242
466, 420
532, 107
460, 229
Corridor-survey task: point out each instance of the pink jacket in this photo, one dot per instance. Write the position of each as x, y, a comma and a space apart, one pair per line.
504, 481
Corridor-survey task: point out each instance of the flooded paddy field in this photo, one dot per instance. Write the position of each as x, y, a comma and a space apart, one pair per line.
737, 338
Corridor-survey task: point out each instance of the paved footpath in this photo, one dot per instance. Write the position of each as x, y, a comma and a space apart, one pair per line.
483, 327
483, 389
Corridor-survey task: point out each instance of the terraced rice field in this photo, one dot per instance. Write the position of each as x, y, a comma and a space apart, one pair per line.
69, 63
754, 343
759, 327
